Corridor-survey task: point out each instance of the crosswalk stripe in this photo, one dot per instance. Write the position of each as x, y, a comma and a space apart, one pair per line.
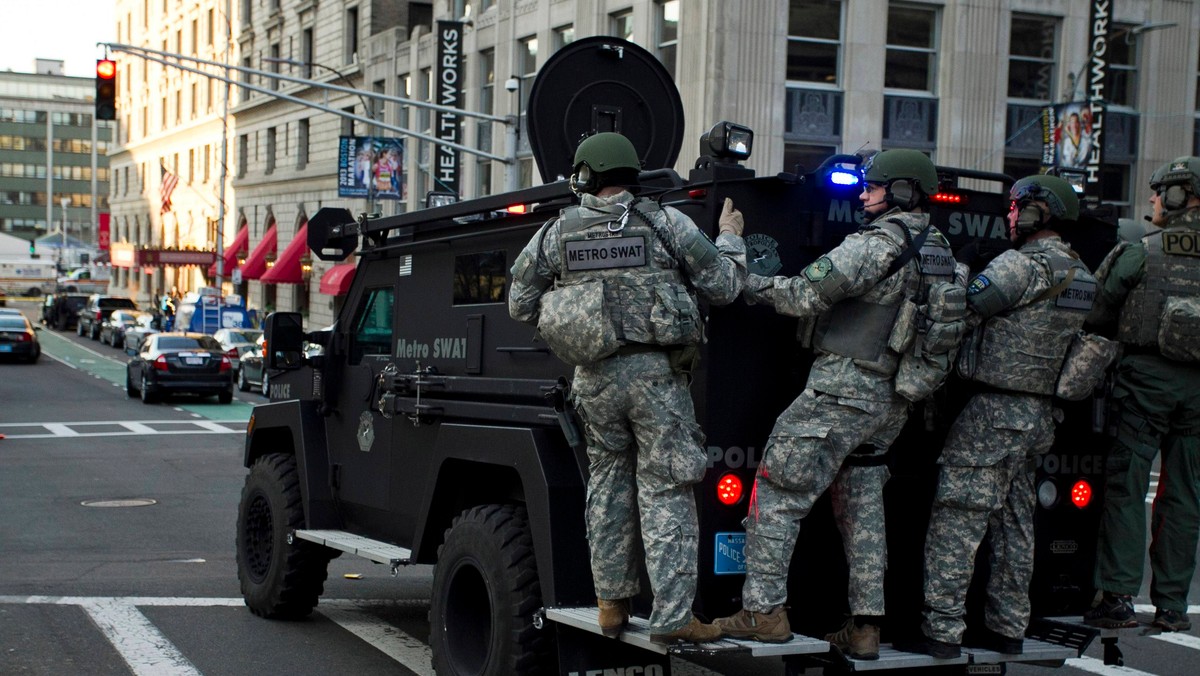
59, 430
1185, 640
1095, 666
140, 643
389, 640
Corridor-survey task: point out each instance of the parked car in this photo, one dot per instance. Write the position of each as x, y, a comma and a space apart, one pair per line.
11, 311
179, 363
253, 373
146, 325
18, 338
113, 328
97, 309
237, 341
61, 310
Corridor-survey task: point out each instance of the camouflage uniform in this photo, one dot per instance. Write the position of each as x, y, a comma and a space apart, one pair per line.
642, 436
849, 407
1024, 322
1157, 399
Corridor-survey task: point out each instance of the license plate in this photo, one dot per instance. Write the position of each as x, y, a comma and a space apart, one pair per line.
5, 348
728, 556
193, 361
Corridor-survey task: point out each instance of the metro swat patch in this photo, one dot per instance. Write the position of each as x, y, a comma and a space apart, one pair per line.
1078, 296
978, 284
818, 269
604, 254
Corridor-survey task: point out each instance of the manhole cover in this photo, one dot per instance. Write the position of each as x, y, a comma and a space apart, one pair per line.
129, 502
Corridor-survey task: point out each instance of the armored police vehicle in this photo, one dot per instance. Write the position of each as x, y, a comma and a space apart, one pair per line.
435, 429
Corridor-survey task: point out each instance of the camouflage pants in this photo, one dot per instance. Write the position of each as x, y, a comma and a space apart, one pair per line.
985, 488
1159, 404
804, 456
645, 451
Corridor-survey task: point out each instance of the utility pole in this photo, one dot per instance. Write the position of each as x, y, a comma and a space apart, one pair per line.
224, 153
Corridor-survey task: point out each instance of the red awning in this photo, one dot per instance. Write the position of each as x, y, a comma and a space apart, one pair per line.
230, 254
287, 268
256, 262
336, 280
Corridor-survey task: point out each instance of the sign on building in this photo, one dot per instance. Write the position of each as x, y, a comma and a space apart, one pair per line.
447, 92
371, 167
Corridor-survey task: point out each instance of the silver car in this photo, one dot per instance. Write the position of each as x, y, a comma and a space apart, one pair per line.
235, 342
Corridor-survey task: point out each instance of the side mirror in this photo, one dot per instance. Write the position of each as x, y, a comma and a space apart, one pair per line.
284, 334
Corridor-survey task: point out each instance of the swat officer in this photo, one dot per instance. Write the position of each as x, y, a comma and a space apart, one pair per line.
1026, 307
1150, 289
835, 434
612, 286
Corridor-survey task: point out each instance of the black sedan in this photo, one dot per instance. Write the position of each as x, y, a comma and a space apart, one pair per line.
179, 363
18, 338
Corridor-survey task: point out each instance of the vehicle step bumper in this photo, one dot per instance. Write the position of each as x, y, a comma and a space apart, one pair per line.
373, 550
638, 634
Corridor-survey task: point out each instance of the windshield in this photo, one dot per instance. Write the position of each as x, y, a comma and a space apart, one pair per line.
10, 323
187, 343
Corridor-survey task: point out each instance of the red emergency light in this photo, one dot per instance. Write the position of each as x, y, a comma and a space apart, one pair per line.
1081, 493
729, 489
949, 198
516, 209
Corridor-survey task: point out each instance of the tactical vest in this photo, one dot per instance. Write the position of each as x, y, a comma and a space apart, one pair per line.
645, 300
1172, 271
874, 332
1022, 349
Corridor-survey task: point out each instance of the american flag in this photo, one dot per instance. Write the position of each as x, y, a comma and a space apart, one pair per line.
169, 181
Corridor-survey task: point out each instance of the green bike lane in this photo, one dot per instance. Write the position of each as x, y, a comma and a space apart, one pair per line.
111, 368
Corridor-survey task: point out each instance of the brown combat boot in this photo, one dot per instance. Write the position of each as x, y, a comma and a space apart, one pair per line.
694, 631
769, 627
860, 643
614, 615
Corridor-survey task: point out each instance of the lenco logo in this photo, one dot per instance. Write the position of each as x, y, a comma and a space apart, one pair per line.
648, 670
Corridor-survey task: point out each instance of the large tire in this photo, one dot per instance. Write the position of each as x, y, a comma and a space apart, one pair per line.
79, 328
242, 383
279, 580
485, 592
265, 387
226, 396
130, 390
148, 396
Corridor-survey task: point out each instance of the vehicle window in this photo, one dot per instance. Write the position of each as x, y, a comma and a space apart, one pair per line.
8, 323
479, 278
373, 324
242, 336
186, 342
110, 303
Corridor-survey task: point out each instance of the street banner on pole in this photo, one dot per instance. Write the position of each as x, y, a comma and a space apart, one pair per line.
448, 92
371, 167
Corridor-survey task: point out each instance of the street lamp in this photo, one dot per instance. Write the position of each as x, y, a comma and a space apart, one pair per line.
368, 108
512, 135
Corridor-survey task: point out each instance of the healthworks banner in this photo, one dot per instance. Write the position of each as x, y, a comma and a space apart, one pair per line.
371, 167
1073, 133
449, 93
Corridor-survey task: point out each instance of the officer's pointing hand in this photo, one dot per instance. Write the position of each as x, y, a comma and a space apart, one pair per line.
731, 219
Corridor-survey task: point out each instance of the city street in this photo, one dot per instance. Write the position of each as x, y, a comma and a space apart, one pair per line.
118, 547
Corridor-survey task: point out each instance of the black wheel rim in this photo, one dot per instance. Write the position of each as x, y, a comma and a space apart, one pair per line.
469, 612
258, 538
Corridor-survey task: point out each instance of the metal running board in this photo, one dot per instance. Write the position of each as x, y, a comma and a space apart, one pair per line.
1033, 650
374, 550
889, 658
638, 634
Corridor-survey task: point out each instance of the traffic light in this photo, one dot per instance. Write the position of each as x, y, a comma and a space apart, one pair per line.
106, 89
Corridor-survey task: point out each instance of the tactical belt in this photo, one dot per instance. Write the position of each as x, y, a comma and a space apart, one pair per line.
984, 388
638, 348
866, 456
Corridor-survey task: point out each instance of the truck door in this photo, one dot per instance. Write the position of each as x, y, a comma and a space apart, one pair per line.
360, 440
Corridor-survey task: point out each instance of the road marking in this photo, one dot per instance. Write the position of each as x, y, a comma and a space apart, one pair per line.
1185, 640
1095, 666
140, 643
130, 428
396, 644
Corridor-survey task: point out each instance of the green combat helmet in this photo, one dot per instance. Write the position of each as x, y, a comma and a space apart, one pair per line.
908, 175
599, 154
1057, 194
1175, 181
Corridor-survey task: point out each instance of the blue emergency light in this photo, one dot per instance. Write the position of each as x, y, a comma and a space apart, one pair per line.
841, 171
844, 177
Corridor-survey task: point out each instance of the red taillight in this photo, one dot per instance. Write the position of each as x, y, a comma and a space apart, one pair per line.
225, 363
516, 209
1081, 493
99, 315
697, 193
25, 337
729, 489
160, 364
232, 353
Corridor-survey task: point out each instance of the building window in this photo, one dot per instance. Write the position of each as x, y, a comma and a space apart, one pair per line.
246, 78
243, 151
246, 9
910, 122
377, 105
195, 96
195, 42
302, 144
306, 53
814, 41
527, 53
911, 61
271, 150
1031, 58
620, 24
347, 123
668, 33
275, 51
1122, 68
207, 163
487, 104
191, 166
565, 35
211, 26
350, 39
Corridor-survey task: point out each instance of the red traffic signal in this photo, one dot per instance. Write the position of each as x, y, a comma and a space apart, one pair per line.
106, 69
106, 89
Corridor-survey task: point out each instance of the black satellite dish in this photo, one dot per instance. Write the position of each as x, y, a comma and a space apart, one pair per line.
603, 84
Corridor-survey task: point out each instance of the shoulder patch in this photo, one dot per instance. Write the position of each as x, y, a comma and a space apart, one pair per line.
978, 284
818, 269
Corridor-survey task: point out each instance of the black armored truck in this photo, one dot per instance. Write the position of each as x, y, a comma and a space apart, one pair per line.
434, 429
